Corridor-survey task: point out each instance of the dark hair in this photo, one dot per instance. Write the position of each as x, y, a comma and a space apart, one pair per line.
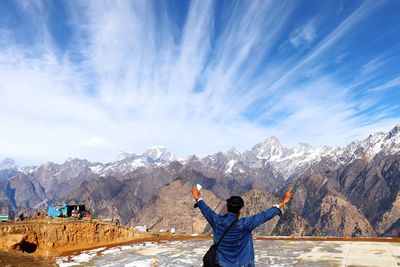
234, 204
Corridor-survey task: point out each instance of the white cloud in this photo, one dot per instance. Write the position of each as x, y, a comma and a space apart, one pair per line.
134, 85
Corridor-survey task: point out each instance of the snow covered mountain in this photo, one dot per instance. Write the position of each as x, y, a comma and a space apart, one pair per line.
285, 162
290, 162
129, 161
386, 143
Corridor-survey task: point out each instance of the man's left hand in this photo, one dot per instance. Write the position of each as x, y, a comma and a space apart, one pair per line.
195, 193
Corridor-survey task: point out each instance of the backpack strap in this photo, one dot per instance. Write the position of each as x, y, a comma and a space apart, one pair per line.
227, 229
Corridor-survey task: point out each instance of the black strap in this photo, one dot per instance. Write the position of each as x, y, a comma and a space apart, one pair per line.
226, 230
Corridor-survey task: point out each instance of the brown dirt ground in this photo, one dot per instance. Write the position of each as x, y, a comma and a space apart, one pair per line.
20, 259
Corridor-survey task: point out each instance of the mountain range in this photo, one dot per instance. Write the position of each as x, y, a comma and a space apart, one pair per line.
345, 191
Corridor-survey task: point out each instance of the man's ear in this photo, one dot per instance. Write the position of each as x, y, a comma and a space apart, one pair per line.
241, 211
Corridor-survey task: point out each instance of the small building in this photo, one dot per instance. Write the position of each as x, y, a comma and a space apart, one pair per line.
78, 207
64, 210
3, 217
59, 210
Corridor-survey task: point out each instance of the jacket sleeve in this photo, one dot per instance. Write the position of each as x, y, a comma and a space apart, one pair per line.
260, 218
208, 213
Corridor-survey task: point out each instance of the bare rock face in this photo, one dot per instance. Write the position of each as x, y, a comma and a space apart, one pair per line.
393, 231
256, 201
173, 208
291, 224
27, 190
390, 218
339, 218
371, 186
108, 197
319, 198
59, 180
5, 197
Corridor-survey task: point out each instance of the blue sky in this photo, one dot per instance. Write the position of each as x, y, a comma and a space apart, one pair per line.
88, 79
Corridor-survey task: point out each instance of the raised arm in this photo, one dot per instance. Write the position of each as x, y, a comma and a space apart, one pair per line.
260, 218
208, 213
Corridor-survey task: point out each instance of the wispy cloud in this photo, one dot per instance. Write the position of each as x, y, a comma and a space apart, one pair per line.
392, 84
304, 36
197, 79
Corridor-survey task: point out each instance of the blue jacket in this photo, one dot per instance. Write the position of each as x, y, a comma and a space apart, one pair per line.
236, 248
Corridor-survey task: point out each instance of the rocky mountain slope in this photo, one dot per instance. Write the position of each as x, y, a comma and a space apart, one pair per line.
256, 201
172, 207
361, 179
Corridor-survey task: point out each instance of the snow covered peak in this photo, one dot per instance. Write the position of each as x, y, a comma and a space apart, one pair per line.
159, 153
303, 148
272, 141
388, 143
392, 140
129, 161
7, 164
395, 132
232, 153
74, 160
123, 155
269, 149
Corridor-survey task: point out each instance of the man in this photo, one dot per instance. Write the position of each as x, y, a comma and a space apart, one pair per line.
236, 248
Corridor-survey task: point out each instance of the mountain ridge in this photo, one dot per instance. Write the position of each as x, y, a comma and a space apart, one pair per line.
361, 178
270, 150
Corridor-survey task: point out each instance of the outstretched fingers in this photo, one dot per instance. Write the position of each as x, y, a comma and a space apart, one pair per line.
290, 192
288, 196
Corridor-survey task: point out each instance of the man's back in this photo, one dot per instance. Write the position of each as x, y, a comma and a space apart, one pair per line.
236, 248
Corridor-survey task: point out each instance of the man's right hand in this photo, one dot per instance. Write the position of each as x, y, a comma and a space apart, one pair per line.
195, 193
286, 198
